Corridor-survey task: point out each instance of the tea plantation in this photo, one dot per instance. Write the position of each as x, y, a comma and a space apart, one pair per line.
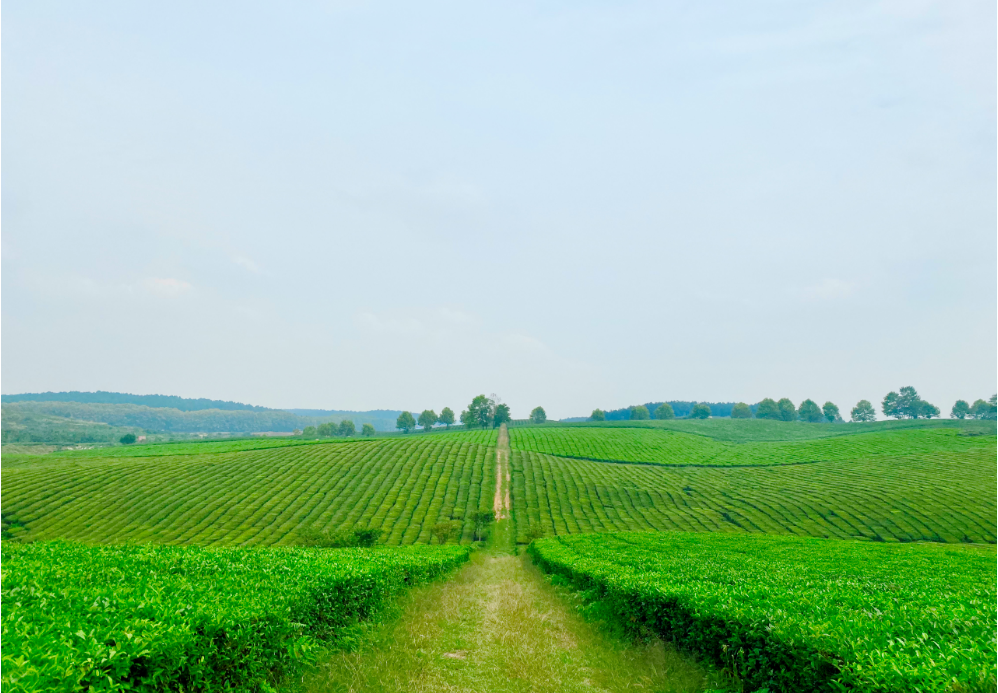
760, 563
122, 618
797, 614
694, 447
402, 486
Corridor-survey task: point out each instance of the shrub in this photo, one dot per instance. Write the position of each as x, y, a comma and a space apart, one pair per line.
700, 411
741, 411
127, 439
664, 412
159, 618
639, 413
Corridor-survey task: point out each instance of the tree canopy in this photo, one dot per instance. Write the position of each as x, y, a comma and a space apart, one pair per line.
367, 430
985, 410
863, 411
639, 413
960, 410
664, 411
741, 411
501, 415
768, 409
700, 410
538, 415
426, 419
347, 428
405, 422
831, 412
482, 409
597, 415
127, 439
787, 410
810, 412
906, 404
446, 416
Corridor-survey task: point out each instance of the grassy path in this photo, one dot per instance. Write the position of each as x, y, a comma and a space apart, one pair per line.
498, 626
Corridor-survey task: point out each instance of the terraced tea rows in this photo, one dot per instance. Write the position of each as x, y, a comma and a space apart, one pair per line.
762, 430
261, 497
793, 614
158, 618
666, 447
945, 496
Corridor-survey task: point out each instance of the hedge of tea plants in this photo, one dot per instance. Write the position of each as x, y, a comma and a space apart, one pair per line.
668, 447
799, 614
401, 486
941, 497
162, 618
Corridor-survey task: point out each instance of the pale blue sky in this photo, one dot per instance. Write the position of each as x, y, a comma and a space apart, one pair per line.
401, 205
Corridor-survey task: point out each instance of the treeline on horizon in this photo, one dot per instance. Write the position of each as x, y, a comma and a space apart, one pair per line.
905, 404
154, 401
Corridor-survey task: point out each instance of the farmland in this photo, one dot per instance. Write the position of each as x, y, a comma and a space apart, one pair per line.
946, 496
401, 485
188, 618
734, 498
794, 614
658, 445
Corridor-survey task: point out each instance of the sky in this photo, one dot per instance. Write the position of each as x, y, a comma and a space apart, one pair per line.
360, 205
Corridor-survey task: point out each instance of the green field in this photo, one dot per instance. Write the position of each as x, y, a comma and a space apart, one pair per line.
722, 484
795, 614
401, 485
121, 618
947, 497
658, 445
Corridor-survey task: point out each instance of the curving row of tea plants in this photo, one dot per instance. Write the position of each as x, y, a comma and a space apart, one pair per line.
945, 497
123, 618
798, 614
667, 447
402, 486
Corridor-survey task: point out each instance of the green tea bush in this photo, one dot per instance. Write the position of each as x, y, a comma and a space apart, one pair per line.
658, 446
799, 614
164, 618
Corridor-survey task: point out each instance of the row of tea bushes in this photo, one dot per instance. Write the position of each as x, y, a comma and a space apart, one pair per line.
158, 618
799, 614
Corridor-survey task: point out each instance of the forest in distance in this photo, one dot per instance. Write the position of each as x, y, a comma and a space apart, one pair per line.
71, 418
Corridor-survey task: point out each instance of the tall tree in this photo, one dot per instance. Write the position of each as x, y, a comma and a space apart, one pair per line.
367, 430
741, 411
538, 415
501, 416
768, 409
446, 417
347, 428
639, 413
309, 432
810, 411
960, 410
700, 410
405, 422
863, 411
597, 415
787, 410
906, 404
831, 412
426, 419
664, 411
983, 410
482, 409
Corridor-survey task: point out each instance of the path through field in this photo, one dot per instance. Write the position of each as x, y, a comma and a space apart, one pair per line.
499, 627
501, 504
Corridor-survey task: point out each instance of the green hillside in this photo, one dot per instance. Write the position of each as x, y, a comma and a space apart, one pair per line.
257, 497
914, 484
659, 445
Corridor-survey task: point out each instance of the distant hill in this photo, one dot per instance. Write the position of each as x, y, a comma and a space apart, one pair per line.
156, 401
